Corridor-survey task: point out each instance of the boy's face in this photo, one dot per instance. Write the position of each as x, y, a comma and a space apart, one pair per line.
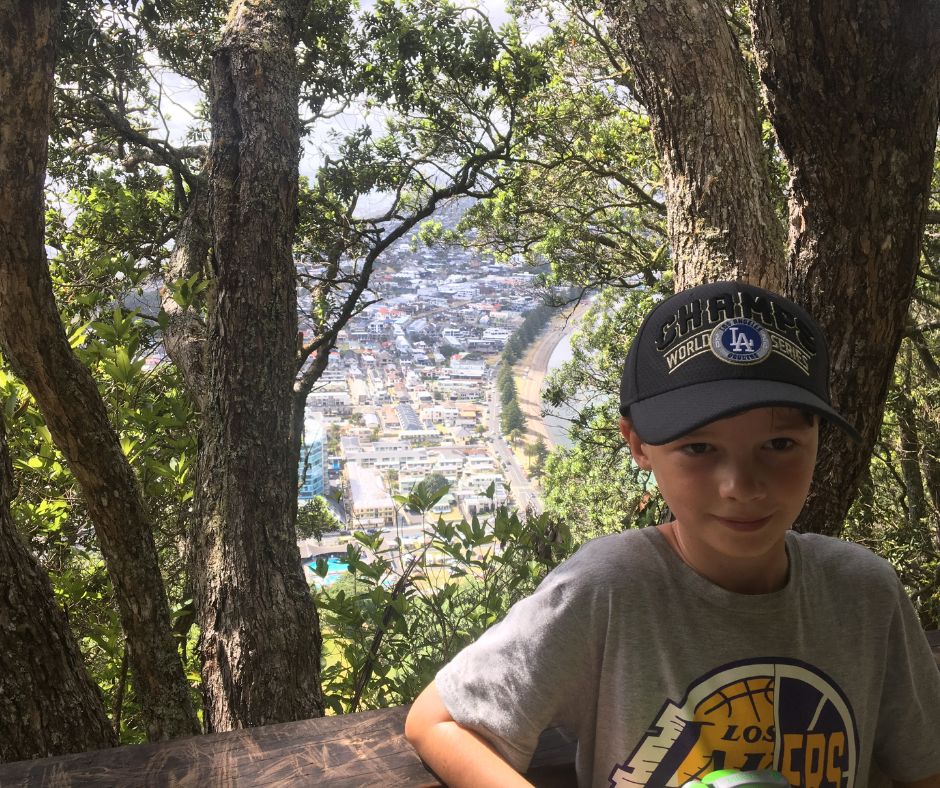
735, 486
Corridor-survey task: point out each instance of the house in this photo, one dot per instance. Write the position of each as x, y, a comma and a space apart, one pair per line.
467, 365
371, 506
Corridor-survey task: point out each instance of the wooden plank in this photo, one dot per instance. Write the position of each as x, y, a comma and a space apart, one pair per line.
352, 751
342, 752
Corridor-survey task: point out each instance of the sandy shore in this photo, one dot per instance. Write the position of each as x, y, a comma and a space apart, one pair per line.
530, 372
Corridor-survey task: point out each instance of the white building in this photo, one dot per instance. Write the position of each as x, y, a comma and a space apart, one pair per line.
497, 334
371, 505
462, 366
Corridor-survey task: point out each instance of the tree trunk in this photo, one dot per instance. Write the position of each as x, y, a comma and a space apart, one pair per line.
692, 79
35, 344
852, 89
260, 640
185, 335
48, 703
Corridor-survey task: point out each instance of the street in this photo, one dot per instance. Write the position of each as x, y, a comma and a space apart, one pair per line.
522, 490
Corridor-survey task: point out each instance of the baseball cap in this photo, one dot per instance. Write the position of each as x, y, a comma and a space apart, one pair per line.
718, 349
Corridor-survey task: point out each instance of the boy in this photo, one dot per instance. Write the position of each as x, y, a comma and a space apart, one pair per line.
723, 639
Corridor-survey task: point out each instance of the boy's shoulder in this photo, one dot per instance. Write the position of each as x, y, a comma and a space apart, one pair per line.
617, 559
620, 544
840, 559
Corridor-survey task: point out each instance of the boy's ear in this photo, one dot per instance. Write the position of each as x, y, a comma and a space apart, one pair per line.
635, 443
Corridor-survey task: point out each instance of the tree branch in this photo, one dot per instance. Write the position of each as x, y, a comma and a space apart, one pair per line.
185, 334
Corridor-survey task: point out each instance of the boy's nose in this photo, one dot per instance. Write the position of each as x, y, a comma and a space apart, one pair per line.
741, 482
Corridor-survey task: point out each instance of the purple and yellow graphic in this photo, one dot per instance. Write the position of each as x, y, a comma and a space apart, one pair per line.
759, 714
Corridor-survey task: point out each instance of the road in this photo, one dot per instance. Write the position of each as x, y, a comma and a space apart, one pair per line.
522, 490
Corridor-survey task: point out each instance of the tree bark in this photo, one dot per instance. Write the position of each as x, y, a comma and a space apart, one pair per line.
48, 703
185, 335
852, 87
260, 640
35, 344
692, 79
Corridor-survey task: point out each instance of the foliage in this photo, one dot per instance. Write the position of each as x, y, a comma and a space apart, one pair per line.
511, 417
550, 135
594, 483
583, 192
154, 419
897, 512
403, 614
315, 518
537, 452
532, 325
448, 350
121, 181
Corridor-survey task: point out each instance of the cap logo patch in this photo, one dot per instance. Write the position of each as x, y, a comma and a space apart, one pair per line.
740, 341
739, 328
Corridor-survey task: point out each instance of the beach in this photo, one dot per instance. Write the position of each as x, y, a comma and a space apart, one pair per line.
531, 370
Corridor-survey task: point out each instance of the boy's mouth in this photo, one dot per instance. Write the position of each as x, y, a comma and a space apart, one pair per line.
739, 524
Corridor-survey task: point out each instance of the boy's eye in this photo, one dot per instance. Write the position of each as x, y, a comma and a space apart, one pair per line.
696, 448
781, 444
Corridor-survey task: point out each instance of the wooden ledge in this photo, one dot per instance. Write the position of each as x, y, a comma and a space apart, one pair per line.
351, 751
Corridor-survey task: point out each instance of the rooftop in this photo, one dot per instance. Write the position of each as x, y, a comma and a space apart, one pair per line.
367, 488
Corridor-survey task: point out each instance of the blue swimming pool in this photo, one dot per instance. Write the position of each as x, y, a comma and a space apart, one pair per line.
337, 568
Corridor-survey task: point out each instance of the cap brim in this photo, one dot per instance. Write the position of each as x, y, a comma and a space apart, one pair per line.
671, 415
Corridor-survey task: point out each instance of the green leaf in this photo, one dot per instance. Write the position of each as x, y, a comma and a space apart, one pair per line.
77, 337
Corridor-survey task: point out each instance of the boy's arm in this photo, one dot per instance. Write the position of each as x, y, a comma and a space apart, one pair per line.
927, 782
457, 755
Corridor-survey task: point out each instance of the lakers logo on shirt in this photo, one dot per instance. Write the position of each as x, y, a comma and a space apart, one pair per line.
759, 714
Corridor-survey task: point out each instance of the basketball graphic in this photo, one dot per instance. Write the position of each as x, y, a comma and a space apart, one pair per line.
737, 721
759, 714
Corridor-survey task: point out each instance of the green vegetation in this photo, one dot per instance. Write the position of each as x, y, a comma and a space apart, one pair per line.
511, 418
390, 625
551, 142
315, 518
537, 452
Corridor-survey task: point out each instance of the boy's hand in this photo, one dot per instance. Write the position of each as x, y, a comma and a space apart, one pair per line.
457, 755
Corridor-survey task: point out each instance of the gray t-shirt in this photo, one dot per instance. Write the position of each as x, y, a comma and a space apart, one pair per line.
663, 676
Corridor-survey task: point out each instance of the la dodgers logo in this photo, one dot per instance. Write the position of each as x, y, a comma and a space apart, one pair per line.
740, 341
